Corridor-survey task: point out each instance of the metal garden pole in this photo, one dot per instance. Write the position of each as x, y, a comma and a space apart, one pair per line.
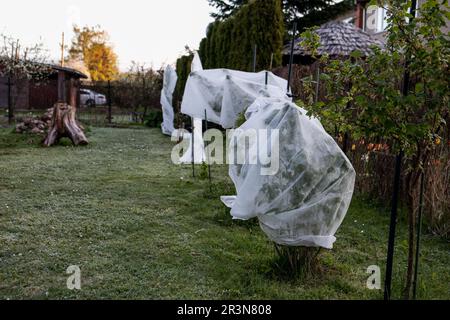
254, 57
398, 168
207, 154
144, 103
193, 145
10, 107
392, 228
318, 83
109, 103
346, 137
419, 232
291, 58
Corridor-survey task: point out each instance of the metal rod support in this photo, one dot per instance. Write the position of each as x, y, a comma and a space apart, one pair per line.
10, 104
419, 233
291, 57
255, 49
109, 103
207, 154
398, 167
392, 227
193, 146
317, 83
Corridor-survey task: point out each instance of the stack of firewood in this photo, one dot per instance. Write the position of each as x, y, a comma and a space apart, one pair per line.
36, 125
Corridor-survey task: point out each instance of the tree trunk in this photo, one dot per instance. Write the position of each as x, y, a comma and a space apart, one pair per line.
411, 246
64, 125
413, 195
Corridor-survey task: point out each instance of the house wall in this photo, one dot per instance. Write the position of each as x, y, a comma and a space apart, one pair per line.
374, 21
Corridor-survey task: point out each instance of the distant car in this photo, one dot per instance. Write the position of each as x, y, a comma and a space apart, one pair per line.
91, 98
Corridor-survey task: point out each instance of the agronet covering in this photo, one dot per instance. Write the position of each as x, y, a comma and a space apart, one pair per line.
225, 94
302, 194
170, 81
304, 201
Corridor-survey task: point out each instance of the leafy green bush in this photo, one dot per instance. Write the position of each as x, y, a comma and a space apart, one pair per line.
398, 95
154, 119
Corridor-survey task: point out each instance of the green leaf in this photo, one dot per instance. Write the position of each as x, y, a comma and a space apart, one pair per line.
356, 54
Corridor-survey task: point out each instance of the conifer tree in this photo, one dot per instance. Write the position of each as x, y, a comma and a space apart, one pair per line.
230, 42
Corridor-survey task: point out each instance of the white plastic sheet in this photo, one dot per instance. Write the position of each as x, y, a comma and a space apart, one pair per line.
199, 145
170, 81
196, 64
225, 94
305, 202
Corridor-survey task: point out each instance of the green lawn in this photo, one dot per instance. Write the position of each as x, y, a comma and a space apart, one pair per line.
141, 228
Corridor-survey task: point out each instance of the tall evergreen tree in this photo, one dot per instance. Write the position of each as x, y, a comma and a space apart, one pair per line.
310, 13
307, 13
230, 42
225, 8
183, 67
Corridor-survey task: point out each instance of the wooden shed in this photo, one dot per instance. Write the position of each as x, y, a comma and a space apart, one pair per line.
61, 84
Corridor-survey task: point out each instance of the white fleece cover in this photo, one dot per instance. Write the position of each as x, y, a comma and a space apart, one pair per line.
169, 83
225, 94
305, 202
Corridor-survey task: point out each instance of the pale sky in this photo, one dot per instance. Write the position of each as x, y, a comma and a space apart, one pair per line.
153, 32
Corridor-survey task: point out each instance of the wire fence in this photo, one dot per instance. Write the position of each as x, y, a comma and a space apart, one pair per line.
103, 104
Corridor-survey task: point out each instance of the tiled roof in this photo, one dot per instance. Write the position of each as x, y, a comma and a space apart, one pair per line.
339, 39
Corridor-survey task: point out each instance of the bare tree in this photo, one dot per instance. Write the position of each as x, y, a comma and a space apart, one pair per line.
20, 64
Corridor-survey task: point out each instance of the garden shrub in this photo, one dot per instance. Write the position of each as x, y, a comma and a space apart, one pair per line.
154, 119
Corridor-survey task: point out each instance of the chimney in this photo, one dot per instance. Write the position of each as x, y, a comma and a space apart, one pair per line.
360, 13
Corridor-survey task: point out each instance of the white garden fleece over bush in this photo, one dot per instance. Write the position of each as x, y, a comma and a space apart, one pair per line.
306, 200
169, 84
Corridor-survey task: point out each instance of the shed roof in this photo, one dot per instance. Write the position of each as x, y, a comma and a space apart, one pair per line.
75, 73
55, 68
338, 39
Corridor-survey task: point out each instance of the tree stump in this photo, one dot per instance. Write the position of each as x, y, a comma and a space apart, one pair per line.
64, 125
